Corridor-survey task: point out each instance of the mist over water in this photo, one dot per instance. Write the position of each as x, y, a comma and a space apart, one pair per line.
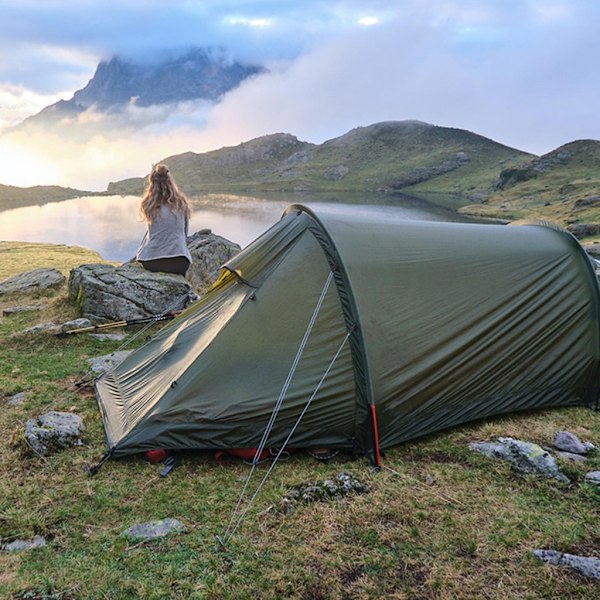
111, 225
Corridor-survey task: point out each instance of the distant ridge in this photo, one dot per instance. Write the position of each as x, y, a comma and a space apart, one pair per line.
12, 196
386, 156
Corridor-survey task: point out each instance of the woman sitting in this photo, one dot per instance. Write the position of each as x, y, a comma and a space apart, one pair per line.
167, 213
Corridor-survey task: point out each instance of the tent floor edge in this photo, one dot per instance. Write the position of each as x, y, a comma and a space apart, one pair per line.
92, 470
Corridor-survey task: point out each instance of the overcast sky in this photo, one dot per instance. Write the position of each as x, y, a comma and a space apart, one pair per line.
522, 72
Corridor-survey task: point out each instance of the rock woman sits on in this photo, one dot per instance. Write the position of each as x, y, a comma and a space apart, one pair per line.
167, 213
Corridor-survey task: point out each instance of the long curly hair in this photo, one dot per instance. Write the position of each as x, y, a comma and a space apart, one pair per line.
161, 190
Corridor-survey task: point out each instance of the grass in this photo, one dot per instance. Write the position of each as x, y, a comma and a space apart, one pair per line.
440, 521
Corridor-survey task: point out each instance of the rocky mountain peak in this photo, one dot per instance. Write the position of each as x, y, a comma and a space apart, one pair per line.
196, 74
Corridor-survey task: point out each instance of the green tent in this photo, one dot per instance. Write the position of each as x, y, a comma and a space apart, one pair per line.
369, 328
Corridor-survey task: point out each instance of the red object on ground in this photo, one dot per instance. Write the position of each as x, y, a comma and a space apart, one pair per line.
245, 453
156, 456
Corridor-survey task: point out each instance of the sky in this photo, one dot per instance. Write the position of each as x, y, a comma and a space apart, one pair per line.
522, 72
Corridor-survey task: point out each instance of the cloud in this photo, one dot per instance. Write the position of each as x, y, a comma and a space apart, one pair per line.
521, 72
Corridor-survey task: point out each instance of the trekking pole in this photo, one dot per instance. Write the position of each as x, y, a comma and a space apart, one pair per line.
124, 323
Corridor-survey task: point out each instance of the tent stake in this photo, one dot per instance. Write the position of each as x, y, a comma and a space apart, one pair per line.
376, 438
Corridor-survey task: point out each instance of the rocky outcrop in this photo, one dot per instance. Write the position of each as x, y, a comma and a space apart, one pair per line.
54, 431
209, 252
105, 293
526, 457
588, 566
32, 281
152, 530
581, 230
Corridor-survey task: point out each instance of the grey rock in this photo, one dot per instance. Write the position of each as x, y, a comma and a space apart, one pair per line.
490, 449
569, 442
13, 310
571, 456
37, 541
209, 252
586, 565
31, 281
112, 337
593, 477
589, 447
154, 529
17, 399
345, 484
336, 173
526, 457
52, 328
54, 431
102, 364
105, 293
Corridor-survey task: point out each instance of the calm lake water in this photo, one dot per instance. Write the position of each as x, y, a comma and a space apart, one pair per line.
111, 225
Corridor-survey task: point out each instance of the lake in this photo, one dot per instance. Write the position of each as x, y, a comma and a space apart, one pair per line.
111, 224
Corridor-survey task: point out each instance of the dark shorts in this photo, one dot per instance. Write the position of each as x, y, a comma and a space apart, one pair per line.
177, 265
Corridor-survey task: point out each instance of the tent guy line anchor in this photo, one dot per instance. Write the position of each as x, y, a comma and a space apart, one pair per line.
228, 532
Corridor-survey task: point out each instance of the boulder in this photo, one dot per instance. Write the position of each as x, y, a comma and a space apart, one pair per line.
569, 442
17, 399
54, 431
105, 293
209, 252
37, 541
102, 364
13, 310
588, 566
32, 281
154, 529
526, 457
593, 477
571, 456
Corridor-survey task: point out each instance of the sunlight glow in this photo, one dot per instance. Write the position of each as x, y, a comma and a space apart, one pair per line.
257, 22
368, 21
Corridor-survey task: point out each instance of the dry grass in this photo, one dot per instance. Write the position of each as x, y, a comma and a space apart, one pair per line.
439, 522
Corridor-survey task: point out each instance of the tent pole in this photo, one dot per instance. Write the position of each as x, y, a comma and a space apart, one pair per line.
376, 437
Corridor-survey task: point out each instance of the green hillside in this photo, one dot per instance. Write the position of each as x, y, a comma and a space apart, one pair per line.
563, 186
15, 197
389, 156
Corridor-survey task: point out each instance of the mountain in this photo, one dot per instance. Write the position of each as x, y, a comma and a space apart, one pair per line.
391, 156
562, 185
16, 197
198, 74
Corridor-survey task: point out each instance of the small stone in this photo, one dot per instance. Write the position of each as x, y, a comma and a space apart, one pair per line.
103, 364
12, 310
17, 399
105, 337
571, 456
38, 279
593, 477
52, 328
36, 541
154, 529
586, 565
569, 442
75, 324
589, 447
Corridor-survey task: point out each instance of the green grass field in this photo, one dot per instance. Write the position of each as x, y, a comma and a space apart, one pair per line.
439, 522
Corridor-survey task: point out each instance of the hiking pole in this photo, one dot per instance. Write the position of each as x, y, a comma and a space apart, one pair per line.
124, 323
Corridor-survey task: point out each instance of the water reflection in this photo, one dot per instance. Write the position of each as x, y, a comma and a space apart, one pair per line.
111, 224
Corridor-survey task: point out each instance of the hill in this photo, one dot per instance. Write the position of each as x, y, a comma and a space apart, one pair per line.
391, 156
15, 197
562, 185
